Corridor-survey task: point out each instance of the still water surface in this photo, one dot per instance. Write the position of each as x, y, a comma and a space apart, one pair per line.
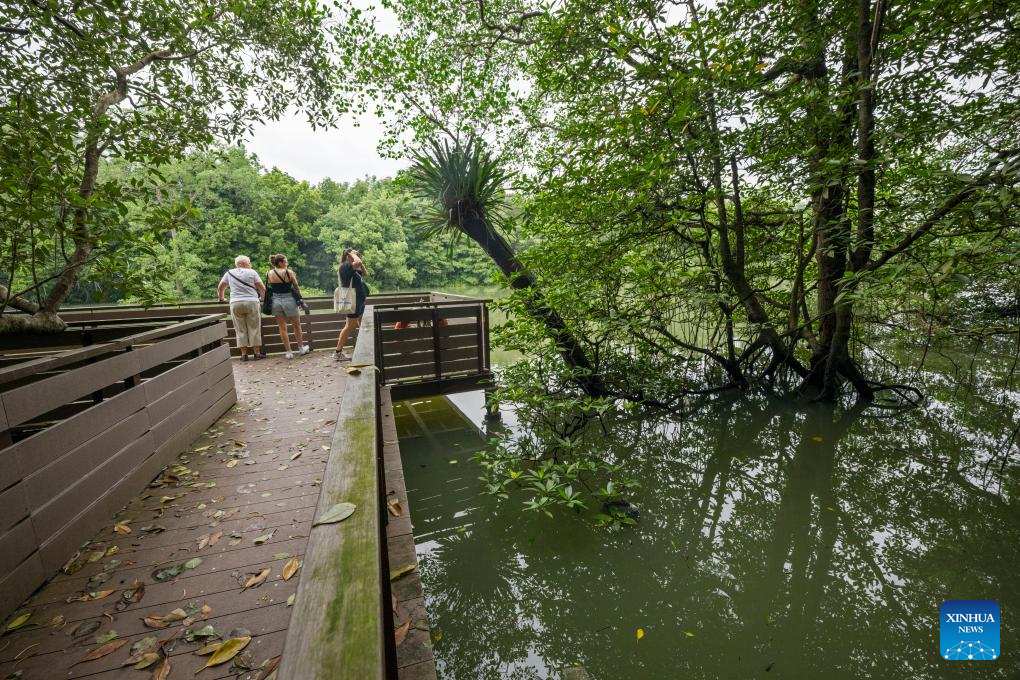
777, 540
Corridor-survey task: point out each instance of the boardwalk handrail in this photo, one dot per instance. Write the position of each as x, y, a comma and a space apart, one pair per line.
340, 626
83, 429
90, 352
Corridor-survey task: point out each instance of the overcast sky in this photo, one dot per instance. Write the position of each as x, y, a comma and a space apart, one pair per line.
346, 153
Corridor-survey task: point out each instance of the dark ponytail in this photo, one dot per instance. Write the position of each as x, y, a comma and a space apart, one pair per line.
275, 260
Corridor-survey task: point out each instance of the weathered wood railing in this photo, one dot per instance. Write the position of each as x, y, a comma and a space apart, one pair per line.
320, 324
432, 347
340, 625
82, 430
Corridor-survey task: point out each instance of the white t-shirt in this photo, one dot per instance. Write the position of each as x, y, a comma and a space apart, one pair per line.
240, 291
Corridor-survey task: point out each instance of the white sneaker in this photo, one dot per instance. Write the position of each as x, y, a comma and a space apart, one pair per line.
340, 356
305, 349
288, 355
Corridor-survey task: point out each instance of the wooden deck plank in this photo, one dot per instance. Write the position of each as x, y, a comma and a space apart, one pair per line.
275, 494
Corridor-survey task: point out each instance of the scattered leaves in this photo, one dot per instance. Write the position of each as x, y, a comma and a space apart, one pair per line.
106, 637
19, 621
393, 505
337, 513
402, 571
257, 579
291, 568
163, 672
100, 652
265, 538
400, 633
227, 651
122, 529
85, 628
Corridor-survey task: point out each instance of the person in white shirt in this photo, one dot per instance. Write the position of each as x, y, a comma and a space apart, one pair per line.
246, 293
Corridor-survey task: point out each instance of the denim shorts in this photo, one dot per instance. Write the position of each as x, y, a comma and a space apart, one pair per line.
284, 305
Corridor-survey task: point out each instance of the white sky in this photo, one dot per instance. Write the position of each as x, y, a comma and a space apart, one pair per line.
346, 153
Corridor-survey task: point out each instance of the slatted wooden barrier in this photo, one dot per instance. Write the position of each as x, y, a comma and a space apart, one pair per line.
320, 324
82, 430
431, 348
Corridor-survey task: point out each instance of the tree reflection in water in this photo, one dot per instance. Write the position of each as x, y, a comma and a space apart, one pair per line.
777, 540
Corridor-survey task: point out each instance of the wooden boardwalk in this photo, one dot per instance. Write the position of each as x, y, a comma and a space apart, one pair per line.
239, 502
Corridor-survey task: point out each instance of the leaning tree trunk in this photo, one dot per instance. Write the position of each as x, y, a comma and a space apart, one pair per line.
496, 247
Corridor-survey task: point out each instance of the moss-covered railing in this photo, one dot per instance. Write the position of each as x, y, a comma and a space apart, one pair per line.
339, 627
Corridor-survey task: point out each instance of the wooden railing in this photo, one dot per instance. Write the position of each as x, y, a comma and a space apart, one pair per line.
320, 324
82, 430
432, 347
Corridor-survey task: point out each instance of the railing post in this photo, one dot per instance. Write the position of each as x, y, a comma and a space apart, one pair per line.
435, 342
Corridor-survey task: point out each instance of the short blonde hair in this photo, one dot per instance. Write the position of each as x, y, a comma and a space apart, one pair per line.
242, 259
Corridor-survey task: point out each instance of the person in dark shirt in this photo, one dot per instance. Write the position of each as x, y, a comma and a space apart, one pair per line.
351, 268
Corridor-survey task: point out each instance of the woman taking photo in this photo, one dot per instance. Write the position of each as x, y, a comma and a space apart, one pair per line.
283, 283
351, 268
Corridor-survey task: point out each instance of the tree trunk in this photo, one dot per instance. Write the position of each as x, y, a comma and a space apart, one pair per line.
500, 252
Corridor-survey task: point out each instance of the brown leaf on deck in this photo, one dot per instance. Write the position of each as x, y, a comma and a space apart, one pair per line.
257, 579
400, 633
100, 652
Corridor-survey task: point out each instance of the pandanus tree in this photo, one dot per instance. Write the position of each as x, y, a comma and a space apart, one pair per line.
465, 187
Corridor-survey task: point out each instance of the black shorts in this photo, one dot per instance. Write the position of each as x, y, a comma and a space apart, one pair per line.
359, 308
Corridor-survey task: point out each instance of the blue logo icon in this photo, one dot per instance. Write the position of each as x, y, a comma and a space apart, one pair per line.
969, 630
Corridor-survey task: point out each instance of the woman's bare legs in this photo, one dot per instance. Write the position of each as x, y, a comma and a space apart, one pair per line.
282, 323
345, 333
295, 322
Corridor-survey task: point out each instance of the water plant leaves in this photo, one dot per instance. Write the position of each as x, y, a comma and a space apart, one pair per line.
227, 651
19, 622
337, 513
291, 568
100, 652
402, 571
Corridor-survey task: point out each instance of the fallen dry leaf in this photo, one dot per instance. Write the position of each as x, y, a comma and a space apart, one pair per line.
227, 651
215, 538
122, 529
269, 667
163, 672
402, 571
203, 541
291, 568
100, 652
393, 505
257, 579
400, 633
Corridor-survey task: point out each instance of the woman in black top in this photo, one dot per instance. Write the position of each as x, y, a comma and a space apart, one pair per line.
351, 267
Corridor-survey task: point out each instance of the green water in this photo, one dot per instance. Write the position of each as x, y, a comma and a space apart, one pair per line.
777, 540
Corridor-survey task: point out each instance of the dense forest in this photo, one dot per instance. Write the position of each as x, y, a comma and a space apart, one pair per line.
235, 206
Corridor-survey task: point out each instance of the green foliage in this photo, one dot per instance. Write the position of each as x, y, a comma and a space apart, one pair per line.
236, 207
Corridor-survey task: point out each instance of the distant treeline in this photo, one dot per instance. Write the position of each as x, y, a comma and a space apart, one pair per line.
240, 208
